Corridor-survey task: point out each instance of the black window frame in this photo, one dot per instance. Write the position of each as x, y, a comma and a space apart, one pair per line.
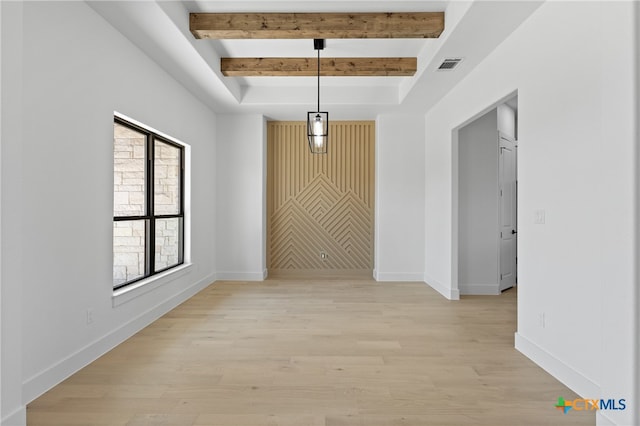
149, 218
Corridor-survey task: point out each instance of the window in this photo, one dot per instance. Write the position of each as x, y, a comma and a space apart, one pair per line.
148, 203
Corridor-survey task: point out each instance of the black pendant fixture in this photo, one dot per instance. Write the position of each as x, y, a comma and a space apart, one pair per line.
318, 121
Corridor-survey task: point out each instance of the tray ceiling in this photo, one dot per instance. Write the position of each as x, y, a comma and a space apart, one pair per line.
161, 29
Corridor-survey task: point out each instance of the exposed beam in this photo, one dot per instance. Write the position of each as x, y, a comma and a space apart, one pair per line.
304, 67
316, 25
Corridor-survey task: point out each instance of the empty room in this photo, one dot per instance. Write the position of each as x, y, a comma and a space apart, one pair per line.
251, 213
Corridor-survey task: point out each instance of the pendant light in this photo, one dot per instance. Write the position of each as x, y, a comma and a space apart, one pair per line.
318, 121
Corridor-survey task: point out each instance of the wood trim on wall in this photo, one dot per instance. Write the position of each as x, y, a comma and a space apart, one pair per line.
320, 203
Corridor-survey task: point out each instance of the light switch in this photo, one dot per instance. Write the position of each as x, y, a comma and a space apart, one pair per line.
539, 217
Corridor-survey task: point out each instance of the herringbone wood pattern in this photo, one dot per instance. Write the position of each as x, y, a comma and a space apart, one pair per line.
320, 203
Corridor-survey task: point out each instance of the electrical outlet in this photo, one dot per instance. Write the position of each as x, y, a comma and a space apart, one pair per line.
543, 320
323, 255
539, 217
89, 315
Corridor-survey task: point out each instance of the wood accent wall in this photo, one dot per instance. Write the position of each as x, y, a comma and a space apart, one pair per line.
320, 203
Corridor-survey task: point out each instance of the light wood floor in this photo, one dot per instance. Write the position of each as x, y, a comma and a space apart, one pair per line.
324, 352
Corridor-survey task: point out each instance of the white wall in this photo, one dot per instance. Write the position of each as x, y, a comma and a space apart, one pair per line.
577, 160
399, 226
60, 195
478, 206
1, 136
507, 120
241, 185
12, 411
241, 177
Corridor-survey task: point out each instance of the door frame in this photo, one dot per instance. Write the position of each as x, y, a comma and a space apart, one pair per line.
515, 142
455, 172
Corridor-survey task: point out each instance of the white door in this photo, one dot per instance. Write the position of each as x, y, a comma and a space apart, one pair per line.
508, 204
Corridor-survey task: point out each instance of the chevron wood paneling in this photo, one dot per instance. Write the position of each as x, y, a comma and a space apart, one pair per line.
320, 203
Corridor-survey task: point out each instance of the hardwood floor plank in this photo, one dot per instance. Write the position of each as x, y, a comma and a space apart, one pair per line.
260, 420
324, 352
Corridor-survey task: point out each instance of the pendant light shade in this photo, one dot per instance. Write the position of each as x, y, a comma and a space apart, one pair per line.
318, 121
318, 131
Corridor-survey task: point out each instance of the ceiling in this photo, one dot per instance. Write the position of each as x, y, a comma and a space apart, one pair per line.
161, 29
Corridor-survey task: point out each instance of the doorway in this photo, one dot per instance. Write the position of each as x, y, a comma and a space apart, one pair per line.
485, 205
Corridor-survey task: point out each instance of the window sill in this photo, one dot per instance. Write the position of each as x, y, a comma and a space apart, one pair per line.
124, 295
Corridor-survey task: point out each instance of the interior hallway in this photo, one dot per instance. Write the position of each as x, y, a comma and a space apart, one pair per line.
316, 352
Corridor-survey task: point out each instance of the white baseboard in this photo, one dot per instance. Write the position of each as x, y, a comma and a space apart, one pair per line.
479, 289
40, 383
571, 378
448, 292
16, 418
397, 276
241, 276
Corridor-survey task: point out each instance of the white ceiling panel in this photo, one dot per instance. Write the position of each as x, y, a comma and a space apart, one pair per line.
213, 6
341, 48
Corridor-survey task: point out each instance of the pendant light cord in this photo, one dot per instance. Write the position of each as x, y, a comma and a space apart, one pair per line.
318, 80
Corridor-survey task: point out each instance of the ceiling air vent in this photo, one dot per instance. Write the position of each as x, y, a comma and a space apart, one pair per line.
449, 64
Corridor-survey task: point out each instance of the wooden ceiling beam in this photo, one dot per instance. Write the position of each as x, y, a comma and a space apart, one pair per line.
316, 25
305, 67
